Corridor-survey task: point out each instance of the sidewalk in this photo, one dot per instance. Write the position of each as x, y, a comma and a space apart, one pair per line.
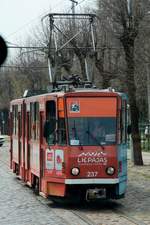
145, 155
146, 158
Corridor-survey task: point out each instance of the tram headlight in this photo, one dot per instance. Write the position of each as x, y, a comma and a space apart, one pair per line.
110, 170
75, 171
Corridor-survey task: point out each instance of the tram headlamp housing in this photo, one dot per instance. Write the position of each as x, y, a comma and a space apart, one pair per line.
110, 170
75, 171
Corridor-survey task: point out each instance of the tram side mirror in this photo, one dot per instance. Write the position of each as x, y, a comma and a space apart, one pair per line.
49, 127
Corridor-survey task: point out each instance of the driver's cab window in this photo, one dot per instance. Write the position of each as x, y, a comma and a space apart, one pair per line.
50, 123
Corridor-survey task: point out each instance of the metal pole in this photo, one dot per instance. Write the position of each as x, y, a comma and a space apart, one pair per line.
73, 13
55, 41
86, 69
93, 40
50, 71
49, 52
148, 90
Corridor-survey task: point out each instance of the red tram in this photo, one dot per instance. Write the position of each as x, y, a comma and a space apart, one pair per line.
71, 143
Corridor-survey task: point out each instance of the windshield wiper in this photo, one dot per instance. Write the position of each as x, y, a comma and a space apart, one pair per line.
95, 139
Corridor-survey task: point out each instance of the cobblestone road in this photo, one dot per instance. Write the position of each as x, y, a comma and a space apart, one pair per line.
19, 206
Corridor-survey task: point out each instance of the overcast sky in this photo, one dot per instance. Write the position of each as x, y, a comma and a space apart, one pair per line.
18, 16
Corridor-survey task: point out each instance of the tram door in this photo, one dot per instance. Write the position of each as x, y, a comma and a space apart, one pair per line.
34, 141
20, 124
11, 140
27, 142
41, 151
15, 138
21, 129
50, 123
49, 134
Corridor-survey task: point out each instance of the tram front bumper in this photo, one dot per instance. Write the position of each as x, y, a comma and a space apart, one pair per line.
92, 181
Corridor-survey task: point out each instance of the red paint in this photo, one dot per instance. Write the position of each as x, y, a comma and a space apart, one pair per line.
91, 160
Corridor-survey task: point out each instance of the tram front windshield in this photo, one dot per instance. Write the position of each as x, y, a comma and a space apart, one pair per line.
89, 131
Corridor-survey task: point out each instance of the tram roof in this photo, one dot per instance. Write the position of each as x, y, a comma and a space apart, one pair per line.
73, 92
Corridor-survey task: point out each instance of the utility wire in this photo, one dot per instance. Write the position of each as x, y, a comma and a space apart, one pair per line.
80, 47
41, 15
31, 21
27, 47
25, 67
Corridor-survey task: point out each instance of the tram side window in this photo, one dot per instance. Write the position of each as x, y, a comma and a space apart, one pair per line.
50, 123
34, 120
29, 126
15, 119
20, 121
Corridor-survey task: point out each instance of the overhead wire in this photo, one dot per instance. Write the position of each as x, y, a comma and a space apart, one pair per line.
13, 45
31, 21
38, 17
27, 67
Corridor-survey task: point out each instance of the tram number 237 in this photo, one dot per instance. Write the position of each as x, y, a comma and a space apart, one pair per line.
92, 174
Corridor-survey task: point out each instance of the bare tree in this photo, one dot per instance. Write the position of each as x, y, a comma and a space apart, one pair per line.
108, 57
124, 18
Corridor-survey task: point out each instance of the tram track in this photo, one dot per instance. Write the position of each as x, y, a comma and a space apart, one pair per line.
66, 213
81, 218
87, 217
82, 215
79, 214
88, 221
128, 217
84, 218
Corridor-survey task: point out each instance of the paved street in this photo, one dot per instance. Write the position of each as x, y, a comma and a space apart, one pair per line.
137, 203
19, 206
